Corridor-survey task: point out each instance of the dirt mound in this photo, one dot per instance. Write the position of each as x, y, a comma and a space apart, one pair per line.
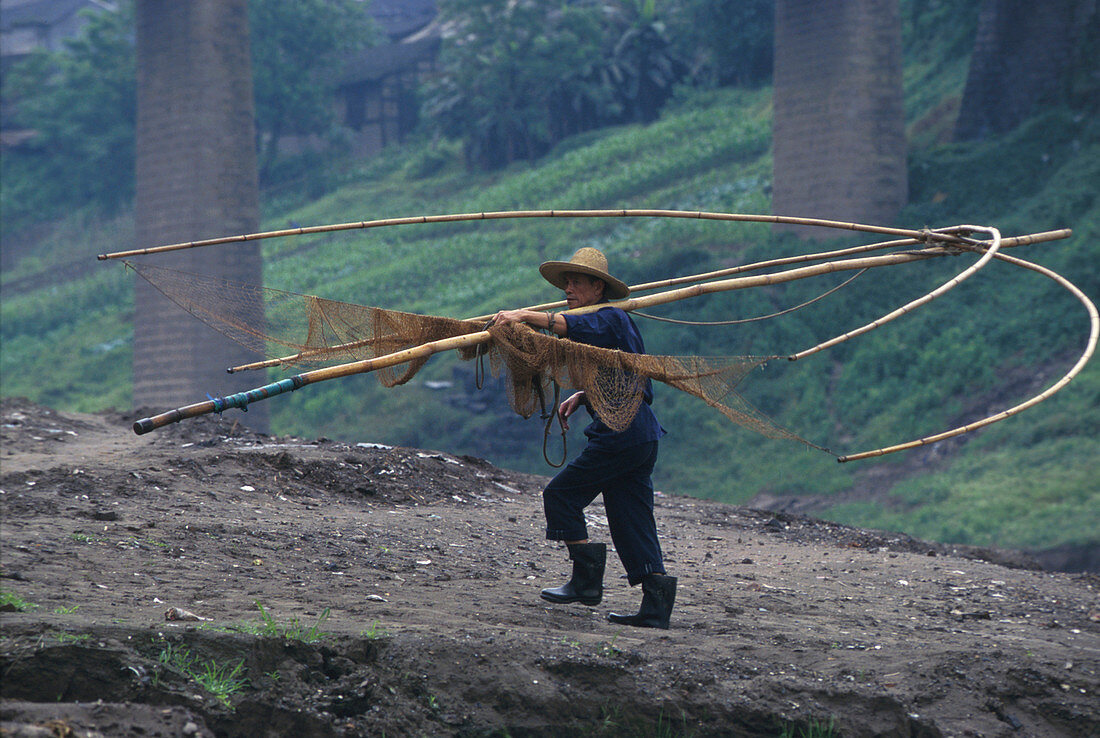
206, 580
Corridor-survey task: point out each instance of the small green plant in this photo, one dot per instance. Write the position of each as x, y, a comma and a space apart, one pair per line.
295, 630
220, 680
666, 727
62, 610
374, 632
613, 723
814, 729
611, 718
11, 602
608, 649
68, 638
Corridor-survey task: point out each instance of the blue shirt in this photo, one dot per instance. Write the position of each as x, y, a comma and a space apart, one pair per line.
612, 328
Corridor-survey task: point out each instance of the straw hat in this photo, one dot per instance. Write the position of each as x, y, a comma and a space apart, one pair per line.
588, 261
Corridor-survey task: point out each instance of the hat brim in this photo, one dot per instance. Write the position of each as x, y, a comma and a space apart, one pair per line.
554, 272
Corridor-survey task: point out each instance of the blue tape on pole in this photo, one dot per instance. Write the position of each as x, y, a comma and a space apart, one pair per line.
241, 399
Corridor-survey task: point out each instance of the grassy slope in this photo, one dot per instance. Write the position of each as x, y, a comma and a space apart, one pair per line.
1025, 482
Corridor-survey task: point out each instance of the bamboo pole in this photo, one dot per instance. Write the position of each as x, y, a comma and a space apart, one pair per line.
646, 286
914, 304
515, 214
1090, 348
242, 399
688, 279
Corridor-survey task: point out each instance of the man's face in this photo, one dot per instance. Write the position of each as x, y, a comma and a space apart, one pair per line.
582, 290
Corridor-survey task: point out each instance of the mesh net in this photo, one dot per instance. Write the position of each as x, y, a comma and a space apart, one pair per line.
614, 381
303, 330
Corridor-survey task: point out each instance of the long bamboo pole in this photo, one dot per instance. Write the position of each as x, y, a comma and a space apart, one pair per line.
242, 399
515, 214
687, 279
426, 350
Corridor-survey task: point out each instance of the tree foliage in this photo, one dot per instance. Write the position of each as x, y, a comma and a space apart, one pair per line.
517, 76
728, 42
297, 50
79, 102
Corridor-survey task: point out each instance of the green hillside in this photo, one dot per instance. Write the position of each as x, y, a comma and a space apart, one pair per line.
996, 340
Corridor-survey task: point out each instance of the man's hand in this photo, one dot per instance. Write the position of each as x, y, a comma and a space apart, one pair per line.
569, 406
505, 317
533, 318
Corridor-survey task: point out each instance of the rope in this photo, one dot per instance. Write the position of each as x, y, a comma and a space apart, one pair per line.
554, 413
549, 418
750, 320
479, 359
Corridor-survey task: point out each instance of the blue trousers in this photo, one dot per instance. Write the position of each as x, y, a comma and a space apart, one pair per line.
623, 477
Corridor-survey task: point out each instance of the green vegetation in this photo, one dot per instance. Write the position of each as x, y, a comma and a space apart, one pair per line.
11, 602
518, 77
292, 631
80, 102
220, 680
614, 723
813, 729
991, 343
375, 632
608, 649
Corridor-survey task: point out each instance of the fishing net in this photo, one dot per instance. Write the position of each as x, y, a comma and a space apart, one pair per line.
614, 381
323, 332
302, 330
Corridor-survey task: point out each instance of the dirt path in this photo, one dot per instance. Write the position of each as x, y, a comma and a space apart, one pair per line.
421, 571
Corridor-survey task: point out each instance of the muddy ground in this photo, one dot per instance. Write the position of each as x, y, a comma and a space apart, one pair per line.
374, 591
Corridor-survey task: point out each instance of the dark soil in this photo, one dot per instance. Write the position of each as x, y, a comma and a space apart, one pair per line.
404, 586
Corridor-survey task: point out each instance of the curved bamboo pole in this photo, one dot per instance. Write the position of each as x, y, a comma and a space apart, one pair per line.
242, 399
1090, 347
514, 214
914, 304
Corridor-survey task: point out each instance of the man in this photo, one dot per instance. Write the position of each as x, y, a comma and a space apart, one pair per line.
616, 464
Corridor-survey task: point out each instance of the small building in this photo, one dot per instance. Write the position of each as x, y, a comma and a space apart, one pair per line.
29, 25
376, 94
375, 99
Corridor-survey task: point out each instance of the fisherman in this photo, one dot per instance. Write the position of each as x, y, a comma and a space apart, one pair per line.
617, 464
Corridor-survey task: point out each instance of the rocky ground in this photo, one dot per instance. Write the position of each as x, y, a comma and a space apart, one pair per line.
329, 589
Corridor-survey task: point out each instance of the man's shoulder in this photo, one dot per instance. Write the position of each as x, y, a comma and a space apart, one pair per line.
611, 312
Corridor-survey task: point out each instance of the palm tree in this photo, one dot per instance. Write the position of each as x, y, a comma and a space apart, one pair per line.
195, 178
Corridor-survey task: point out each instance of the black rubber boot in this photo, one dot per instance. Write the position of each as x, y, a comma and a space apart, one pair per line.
658, 596
586, 585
